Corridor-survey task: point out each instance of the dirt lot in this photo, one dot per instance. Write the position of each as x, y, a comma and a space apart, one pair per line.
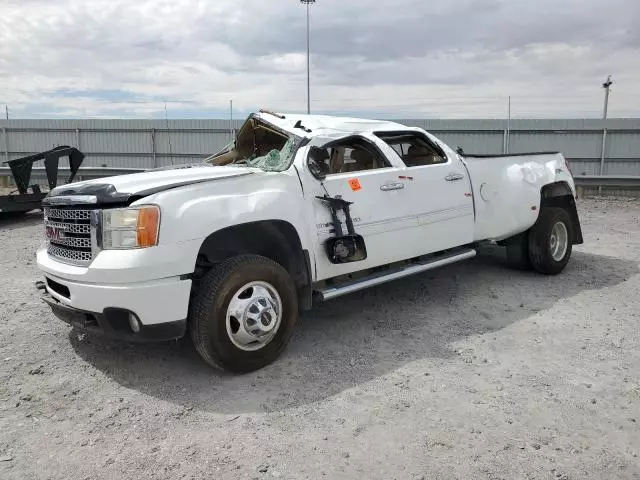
472, 371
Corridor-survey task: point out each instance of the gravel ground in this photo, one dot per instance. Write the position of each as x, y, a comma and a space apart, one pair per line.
471, 371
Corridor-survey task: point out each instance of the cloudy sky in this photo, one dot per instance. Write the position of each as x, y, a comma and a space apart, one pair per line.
393, 58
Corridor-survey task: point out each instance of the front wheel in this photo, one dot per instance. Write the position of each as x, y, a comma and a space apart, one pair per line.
551, 241
244, 313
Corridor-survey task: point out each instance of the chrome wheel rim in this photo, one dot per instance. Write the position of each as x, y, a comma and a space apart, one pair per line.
254, 316
559, 241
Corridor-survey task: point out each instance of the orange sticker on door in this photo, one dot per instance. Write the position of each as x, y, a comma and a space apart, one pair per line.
354, 183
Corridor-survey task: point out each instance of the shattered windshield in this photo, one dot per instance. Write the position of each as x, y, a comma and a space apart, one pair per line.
259, 144
276, 160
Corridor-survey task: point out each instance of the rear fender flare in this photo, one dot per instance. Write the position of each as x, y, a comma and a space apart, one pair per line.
559, 194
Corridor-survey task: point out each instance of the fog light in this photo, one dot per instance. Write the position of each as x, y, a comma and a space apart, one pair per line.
134, 323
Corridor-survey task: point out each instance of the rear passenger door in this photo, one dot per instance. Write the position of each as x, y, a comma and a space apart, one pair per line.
438, 192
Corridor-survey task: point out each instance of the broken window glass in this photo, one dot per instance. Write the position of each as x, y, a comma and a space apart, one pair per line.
276, 160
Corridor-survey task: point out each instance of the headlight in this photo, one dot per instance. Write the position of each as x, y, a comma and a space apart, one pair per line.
135, 227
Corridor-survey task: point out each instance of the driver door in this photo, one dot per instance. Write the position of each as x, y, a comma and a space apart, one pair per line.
355, 169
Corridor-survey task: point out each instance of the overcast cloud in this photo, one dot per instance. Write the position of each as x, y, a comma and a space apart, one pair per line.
400, 58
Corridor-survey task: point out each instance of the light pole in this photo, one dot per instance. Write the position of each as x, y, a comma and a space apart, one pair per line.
308, 3
606, 85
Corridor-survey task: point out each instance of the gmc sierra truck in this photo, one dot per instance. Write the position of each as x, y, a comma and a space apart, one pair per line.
299, 209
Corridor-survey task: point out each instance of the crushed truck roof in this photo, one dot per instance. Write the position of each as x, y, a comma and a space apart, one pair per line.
322, 124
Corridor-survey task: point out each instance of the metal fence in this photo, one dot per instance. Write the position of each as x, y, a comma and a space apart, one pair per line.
594, 147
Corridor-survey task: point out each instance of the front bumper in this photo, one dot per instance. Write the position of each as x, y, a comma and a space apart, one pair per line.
159, 307
112, 322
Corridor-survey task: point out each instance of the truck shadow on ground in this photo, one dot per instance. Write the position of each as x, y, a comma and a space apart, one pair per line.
9, 221
359, 337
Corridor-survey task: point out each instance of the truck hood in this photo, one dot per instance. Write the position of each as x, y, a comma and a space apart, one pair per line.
124, 189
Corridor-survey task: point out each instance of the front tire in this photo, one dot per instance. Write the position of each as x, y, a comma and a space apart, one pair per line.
243, 314
551, 241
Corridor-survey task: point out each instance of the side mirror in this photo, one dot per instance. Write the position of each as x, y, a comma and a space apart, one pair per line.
345, 249
317, 168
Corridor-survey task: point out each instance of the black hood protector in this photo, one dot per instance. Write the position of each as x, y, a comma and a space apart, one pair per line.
106, 193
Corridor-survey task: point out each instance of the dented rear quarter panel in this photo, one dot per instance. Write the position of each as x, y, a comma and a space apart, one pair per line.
507, 191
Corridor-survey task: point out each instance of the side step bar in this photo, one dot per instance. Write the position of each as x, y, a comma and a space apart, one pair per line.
383, 277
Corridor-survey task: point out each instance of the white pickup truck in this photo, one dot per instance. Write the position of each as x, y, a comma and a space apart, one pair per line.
299, 209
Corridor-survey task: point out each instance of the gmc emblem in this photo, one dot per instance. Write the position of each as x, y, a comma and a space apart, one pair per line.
54, 233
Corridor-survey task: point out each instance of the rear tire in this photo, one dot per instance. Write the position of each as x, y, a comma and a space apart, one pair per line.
243, 314
551, 241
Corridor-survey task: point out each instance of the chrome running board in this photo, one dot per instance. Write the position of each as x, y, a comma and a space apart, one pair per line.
378, 278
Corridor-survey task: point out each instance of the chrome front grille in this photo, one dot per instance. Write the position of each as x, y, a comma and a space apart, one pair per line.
70, 214
70, 255
79, 228
78, 242
69, 233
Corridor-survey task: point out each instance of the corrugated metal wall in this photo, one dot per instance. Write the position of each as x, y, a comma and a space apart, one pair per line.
118, 143
151, 143
580, 140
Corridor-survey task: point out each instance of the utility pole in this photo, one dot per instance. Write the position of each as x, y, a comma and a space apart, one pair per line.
166, 119
231, 119
6, 111
508, 123
308, 3
606, 85
507, 130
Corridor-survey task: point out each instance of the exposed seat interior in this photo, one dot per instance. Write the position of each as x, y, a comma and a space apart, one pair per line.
420, 155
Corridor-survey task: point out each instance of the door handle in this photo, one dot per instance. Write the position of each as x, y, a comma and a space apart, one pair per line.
392, 186
452, 177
